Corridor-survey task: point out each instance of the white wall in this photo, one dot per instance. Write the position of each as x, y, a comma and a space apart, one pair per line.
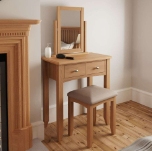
19, 9
142, 52
142, 45
109, 31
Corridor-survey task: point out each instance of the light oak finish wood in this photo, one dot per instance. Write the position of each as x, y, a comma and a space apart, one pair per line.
107, 85
59, 100
113, 116
90, 116
63, 34
133, 121
84, 57
18, 22
70, 117
75, 70
85, 36
55, 38
95, 67
89, 126
89, 83
61, 70
14, 43
46, 91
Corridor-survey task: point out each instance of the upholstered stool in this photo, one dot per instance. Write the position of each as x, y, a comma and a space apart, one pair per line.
91, 97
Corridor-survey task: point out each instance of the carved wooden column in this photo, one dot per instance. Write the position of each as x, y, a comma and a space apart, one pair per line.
14, 43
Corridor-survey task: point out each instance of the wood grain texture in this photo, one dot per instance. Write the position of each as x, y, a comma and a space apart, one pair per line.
62, 70
85, 36
133, 121
89, 126
14, 43
45, 67
59, 101
55, 37
91, 116
95, 67
113, 116
89, 83
107, 85
70, 117
75, 70
19, 22
79, 58
64, 36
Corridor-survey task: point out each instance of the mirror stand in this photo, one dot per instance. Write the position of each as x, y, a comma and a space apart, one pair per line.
69, 31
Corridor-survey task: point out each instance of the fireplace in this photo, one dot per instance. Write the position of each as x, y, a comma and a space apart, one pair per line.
3, 104
14, 46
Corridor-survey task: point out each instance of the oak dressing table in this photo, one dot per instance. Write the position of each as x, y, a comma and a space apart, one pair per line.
62, 70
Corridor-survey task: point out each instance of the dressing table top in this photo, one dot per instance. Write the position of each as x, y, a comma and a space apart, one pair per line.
78, 58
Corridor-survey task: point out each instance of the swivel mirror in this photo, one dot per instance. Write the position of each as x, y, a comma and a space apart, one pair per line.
69, 37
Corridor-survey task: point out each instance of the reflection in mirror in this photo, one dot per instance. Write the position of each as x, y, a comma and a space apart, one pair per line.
70, 29
69, 33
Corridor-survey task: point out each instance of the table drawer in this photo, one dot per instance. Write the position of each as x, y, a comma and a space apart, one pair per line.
75, 70
96, 67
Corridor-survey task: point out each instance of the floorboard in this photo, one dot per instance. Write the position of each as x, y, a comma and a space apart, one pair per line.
133, 121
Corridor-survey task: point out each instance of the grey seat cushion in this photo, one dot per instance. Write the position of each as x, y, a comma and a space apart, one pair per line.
92, 94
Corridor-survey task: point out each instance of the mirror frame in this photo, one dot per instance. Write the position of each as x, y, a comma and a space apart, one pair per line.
58, 24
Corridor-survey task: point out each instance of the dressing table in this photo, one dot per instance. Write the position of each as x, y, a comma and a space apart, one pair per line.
85, 64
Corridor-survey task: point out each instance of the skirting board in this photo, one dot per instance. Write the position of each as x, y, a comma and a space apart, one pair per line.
38, 130
123, 96
142, 97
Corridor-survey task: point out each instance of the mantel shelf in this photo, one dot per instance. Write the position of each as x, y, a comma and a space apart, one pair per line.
18, 21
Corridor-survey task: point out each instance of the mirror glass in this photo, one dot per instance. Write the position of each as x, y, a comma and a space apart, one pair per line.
70, 18
70, 29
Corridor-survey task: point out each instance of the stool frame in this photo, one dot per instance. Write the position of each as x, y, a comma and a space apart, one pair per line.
91, 116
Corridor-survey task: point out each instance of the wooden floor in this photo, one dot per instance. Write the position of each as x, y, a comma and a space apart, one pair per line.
133, 121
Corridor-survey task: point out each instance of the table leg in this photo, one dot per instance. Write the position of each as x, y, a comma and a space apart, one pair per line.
106, 110
107, 76
59, 102
90, 82
45, 94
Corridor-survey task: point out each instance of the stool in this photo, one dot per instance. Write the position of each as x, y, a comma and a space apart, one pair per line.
90, 97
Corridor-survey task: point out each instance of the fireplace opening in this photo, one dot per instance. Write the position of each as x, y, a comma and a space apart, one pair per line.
3, 104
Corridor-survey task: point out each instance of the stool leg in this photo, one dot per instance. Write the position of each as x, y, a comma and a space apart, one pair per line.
94, 116
89, 126
70, 117
106, 112
113, 116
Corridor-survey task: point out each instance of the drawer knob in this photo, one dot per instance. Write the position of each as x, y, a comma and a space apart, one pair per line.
97, 67
76, 70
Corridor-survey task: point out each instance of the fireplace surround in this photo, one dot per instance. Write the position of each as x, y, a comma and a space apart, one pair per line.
14, 43
3, 104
